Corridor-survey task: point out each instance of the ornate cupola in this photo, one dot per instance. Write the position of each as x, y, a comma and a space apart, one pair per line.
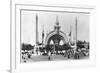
57, 27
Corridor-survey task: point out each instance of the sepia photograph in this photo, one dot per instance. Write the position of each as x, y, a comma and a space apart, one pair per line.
54, 36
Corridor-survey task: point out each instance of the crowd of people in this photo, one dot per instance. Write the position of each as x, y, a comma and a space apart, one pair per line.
49, 50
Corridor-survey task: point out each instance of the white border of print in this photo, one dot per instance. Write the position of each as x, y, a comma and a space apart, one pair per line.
17, 67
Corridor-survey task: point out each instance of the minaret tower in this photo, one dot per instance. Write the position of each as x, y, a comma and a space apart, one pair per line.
36, 29
76, 33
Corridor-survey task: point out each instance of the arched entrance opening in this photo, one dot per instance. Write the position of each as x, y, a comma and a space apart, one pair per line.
56, 39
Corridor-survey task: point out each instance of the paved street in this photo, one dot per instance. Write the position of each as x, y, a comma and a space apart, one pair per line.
53, 58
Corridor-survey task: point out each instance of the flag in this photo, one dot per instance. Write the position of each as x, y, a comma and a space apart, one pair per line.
43, 35
70, 30
43, 32
70, 33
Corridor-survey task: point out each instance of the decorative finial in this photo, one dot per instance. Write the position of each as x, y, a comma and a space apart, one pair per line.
57, 21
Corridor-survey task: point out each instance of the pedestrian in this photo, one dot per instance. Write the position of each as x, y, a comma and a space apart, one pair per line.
49, 58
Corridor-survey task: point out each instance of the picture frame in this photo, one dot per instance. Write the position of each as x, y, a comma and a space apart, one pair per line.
18, 7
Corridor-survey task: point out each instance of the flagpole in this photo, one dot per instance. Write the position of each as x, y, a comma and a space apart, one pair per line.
43, 35
70, 33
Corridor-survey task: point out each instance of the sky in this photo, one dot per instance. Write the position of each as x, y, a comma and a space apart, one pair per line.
47, 20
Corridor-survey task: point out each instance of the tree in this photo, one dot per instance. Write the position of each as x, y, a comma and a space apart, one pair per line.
66, 47
27, 47
80, 44
47, 47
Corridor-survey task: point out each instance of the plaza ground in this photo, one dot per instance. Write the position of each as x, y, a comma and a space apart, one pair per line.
39, 58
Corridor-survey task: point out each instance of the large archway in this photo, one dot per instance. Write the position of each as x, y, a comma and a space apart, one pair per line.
55, 38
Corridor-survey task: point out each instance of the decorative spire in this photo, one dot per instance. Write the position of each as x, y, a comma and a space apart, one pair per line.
57, 27
57, 21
